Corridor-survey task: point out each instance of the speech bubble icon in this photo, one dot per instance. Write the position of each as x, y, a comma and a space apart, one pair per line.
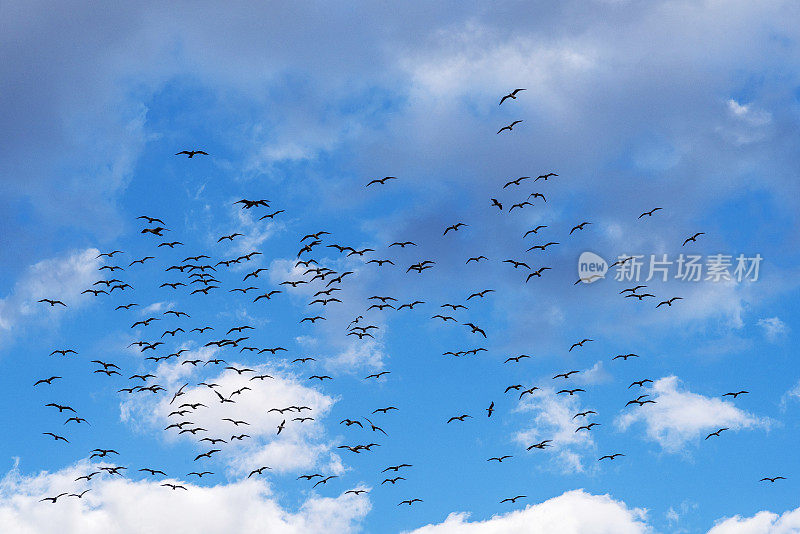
591, 267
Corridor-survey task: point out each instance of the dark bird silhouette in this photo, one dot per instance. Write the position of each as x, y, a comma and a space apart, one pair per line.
513, 499
192, 153
350, 422
206, 454
649, 213
60, 407
155, 231
53, 499
229, 237
512, 95
381, 181
717, 432
541, 445
693, 238
669, 302
153, 472
377, 375
579, 227
543, 247
63, 352
516, 182
454, 227
258, 471
459, 418
565, 375
537, 272
480, 293
517, 264
396, 468
509, 127
52, 302
519, 205
271, 215
535, 230
475, 329
734, 394
477, 259
46, 380
579, 344
325, 480
56, 437
610, 456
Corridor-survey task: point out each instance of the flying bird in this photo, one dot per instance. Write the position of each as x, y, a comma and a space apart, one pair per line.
512, 95
381, 180
509, 127
192, 153
693, 238
649, 213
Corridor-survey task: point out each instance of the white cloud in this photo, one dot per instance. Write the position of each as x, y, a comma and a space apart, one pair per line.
553, 419
62, 278
763, 522
124, 506
299, 446
359, 355
680, 416
157, 307
596, 374
792, 394
571, 513
747, 123
773, 327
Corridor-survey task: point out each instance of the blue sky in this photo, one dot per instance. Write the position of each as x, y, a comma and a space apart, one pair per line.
687, 106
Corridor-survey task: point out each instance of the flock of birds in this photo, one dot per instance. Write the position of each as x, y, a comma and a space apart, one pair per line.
199, 275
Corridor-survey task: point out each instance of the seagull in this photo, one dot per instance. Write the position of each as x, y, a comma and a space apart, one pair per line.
693, 238
512, 95
192, 153
509, 127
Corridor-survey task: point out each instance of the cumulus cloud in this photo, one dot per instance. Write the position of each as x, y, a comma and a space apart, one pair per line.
552, 418
573, 512
680, 416
763, 522
300, 445
124, 506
